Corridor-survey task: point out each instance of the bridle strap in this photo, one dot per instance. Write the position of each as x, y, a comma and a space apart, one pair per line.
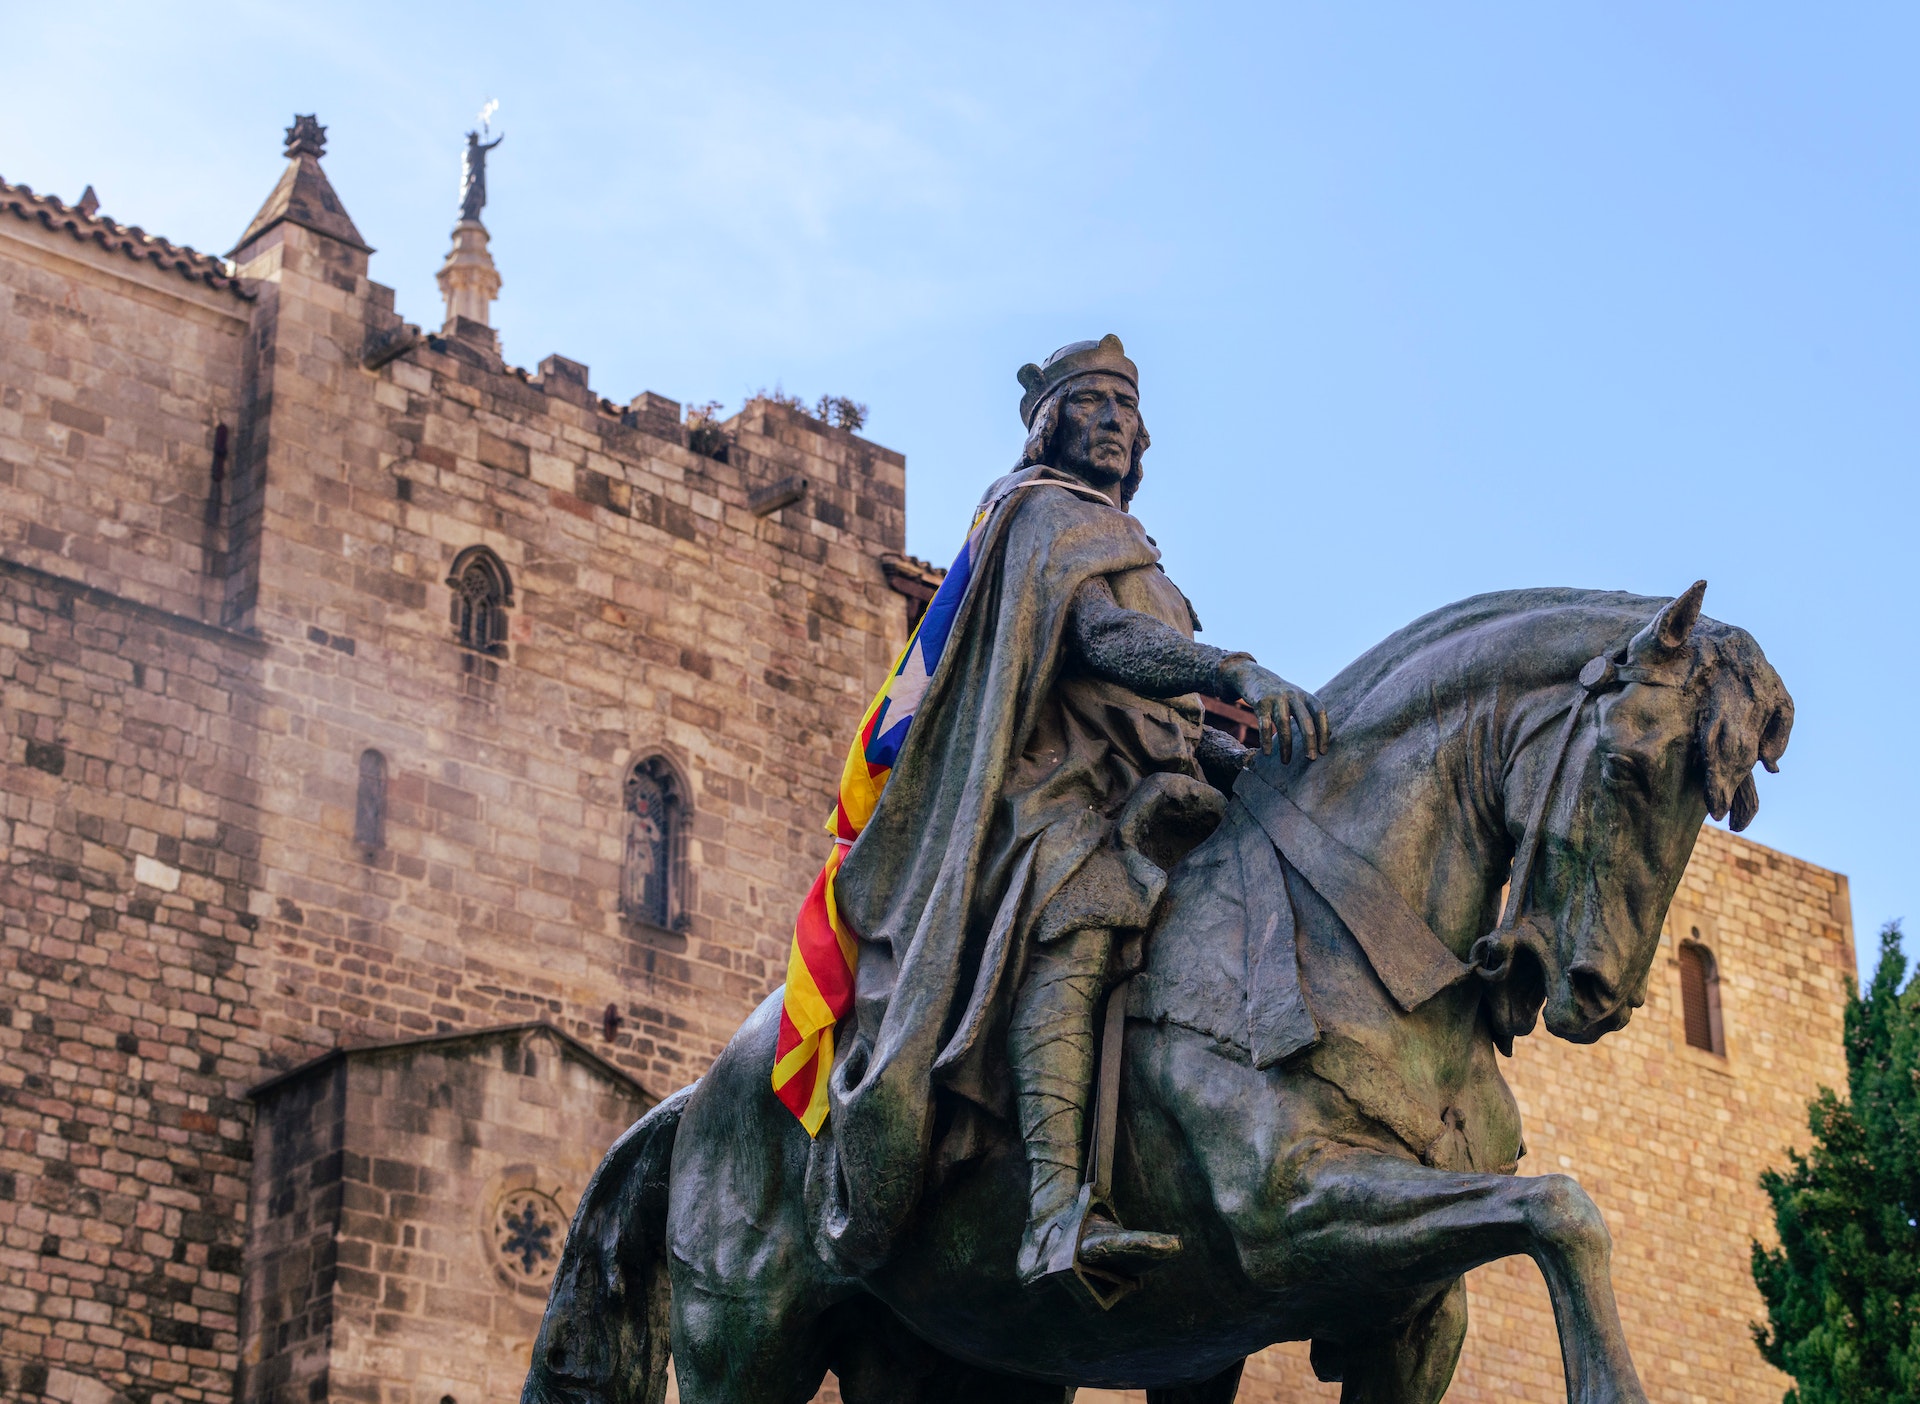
1601, 674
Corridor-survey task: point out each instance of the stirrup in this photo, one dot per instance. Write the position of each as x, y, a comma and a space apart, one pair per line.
1104, 1286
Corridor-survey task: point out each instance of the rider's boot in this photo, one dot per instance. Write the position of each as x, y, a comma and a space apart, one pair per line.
1051, 1046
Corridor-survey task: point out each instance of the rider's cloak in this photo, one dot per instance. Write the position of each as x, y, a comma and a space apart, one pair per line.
995, 829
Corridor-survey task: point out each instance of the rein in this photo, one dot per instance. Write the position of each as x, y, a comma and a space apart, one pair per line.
1601, 674
1409, 958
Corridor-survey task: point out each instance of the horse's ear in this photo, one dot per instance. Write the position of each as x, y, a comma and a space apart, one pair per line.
1667, 632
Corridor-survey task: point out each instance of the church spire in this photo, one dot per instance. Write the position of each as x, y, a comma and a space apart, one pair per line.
468, 279
304, 196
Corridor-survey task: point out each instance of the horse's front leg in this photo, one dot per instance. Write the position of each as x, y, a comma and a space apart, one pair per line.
1376, 1221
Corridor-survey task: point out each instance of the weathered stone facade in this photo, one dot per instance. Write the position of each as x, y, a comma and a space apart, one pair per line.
225, 544
234, 503
409, 1202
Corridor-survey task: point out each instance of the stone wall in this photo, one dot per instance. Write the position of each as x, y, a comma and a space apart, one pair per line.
653, 613
409, 1204
197, 645
120, 385
130, 1020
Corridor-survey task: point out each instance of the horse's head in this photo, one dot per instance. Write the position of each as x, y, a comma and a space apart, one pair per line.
1665, 731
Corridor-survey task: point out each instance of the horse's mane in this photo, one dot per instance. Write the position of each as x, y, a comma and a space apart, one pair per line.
1562, 611
1745, 712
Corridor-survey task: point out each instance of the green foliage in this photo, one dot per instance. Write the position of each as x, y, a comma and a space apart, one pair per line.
838, 409
1843, 1288
778, 396
705, 433
828, 409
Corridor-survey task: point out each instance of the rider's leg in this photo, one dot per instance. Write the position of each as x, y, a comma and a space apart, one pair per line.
1050, 1045
1373, 1218
1409, 1364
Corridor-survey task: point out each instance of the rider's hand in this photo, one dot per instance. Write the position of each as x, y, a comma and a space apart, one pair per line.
1278, 704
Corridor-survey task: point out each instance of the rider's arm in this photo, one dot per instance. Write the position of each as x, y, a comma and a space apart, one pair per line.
1136, 650
1156, 660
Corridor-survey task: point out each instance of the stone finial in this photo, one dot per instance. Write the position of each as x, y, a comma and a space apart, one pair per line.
468, 279
306, 137
89, 202
303, 195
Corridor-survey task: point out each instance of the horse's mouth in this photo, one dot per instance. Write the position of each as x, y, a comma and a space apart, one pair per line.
1513, 965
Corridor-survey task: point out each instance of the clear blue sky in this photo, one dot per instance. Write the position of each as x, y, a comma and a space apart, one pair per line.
1428, 299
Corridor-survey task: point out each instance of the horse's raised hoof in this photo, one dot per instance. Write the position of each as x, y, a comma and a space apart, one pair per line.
1108, 1248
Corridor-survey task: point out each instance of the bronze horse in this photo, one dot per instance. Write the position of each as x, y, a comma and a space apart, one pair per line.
1571, 740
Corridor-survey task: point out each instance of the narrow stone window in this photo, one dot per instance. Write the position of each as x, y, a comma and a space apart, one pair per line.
1700, 996
370, 803
482, 593
652, 871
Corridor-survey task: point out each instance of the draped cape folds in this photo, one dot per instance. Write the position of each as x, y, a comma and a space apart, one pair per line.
940, 885
821, 958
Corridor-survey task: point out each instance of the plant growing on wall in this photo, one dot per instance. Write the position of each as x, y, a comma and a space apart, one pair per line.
1843, 1288
828, 409
705, 431
838, 409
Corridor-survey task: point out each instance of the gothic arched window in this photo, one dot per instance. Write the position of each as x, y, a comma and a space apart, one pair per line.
482, 591
653, 866
1700, 996
370, 802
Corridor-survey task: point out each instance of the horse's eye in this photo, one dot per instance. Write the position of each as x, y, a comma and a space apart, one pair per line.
1622, 768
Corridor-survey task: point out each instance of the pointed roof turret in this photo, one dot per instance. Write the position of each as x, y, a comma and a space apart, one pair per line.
304, 196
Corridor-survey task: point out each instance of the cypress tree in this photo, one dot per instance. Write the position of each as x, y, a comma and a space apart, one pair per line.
1843, 1288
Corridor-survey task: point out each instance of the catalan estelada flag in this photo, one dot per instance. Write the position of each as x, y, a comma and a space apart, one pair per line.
821, 963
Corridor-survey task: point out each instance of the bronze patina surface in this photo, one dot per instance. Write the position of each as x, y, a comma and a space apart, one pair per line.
1313, 1137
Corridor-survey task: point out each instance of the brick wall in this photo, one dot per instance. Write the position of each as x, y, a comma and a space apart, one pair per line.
653, 613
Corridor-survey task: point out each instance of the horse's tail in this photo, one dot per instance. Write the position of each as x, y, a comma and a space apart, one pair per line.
605, 1335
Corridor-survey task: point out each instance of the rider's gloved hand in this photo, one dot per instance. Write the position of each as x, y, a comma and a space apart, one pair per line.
1278, 704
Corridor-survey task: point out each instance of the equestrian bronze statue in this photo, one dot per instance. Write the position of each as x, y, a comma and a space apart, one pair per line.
1156, 1051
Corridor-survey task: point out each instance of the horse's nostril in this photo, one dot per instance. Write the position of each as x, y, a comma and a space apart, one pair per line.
1593, 991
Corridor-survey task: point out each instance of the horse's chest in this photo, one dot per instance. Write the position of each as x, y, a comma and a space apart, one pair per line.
1429, 1077
1424, 1082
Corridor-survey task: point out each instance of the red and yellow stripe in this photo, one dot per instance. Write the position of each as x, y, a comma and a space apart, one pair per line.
820, 966
821, 962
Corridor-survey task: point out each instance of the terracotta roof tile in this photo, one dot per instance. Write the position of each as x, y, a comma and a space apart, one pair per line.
52, 213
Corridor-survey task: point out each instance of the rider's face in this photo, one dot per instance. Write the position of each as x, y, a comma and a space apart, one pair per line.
1099, 420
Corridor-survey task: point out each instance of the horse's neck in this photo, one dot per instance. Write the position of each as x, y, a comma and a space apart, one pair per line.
1423, 805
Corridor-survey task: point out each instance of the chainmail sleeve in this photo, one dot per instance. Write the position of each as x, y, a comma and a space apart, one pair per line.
1136, 650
